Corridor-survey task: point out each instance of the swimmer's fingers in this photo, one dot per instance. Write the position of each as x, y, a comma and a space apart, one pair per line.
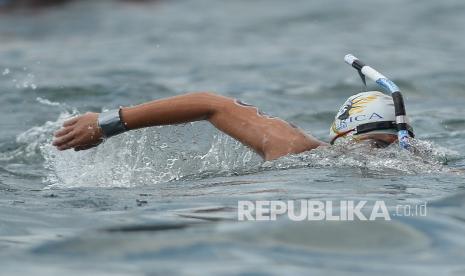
70, 144
62, 142
63, 131
71, 121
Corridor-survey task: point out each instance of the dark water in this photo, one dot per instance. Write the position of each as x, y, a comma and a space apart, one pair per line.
164, 200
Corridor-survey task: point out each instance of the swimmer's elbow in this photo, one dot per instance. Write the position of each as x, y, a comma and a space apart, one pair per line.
214, 103
205, 95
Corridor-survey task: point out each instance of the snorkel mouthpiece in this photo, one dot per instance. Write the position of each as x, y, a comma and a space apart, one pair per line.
399, 107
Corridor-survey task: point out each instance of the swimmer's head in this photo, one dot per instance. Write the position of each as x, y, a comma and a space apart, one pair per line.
366, 115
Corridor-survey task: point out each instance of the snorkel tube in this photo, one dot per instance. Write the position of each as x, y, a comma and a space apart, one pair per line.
403, 134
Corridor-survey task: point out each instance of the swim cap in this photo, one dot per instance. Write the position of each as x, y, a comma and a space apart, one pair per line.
366, 112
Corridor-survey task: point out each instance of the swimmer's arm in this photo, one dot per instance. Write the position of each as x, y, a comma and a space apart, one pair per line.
269, 137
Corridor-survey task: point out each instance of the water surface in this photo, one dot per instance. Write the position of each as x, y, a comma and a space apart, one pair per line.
163, 200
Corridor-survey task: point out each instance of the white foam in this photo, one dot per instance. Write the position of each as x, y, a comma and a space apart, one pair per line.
160, 154
424, 158
149, 156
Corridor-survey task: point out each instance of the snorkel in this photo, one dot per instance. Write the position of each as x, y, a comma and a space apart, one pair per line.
403, 134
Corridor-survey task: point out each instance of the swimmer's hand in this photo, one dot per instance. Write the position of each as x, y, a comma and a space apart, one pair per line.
79, 133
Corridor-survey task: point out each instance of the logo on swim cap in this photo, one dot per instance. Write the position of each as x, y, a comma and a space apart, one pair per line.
362, 108
355, 105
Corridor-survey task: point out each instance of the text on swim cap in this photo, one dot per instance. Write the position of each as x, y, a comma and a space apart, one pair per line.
359, 118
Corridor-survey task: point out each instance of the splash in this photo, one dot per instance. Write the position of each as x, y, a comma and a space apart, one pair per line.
29, 143
425, 157
21, 79
196, 150
48, 102
150, 156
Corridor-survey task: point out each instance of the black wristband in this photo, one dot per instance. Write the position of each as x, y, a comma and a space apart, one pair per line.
111, 124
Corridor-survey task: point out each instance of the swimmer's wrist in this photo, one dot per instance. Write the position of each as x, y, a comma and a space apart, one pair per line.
111, 123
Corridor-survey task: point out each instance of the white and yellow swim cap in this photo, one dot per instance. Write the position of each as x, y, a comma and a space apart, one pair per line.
366, 112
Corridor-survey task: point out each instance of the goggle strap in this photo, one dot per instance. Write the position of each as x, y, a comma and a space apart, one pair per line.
364, 128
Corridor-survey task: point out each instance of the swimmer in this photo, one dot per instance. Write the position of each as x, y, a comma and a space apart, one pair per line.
367, 116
